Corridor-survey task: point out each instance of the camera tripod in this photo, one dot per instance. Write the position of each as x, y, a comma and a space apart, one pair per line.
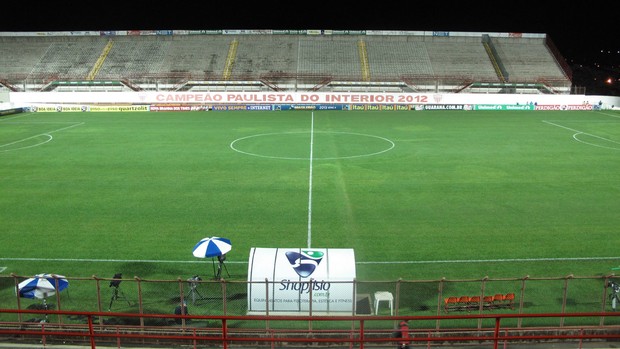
193, 290
117, 293
218, 274
613, 296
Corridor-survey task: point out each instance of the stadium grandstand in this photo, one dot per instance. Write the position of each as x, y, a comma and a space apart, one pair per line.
293, 60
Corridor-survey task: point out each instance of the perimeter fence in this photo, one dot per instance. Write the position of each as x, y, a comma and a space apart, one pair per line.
525, 295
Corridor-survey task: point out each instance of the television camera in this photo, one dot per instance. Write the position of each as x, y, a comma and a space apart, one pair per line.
117, 293
193, 283
614, 295
194, 280
221, 259
117, 279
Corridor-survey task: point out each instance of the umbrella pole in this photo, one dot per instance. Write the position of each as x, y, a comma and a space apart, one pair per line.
45, 307
214, 272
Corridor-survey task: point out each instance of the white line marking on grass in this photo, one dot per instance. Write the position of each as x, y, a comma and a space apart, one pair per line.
503, 260
49, 138
506, 260
233, 146
47, 134
2, 269
104, 260
610, 115
577, 133
310, 182
66, 128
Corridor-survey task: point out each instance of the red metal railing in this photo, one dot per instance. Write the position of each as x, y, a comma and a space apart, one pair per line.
281, 331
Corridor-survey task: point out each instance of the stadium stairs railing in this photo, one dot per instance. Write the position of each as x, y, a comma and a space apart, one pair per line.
287, 331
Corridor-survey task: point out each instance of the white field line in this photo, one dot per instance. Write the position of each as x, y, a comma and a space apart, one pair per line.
310, 181
610, 115
48, 134
577, 133
501, 260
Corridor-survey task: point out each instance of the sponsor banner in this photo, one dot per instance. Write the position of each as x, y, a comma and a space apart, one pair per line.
488, 107
259, 107
178, 108
301, 278
58, 108
418, 101
302, 98
311, 107
519, 107
84, 108
121, 108
503, 107
563, 107
382, 107
225, 98
444, 107
303, 107
288, 32
204, 32
349, 32
331, 107
217, 107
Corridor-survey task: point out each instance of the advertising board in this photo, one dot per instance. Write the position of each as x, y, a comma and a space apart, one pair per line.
301, 280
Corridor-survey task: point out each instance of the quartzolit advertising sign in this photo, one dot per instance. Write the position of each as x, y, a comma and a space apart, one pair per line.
300, 280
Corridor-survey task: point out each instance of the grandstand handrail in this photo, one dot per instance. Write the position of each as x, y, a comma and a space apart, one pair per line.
274, 80
559, 58
361, 334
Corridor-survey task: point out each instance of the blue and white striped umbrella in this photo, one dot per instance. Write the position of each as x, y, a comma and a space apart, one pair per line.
42, 286
212, 247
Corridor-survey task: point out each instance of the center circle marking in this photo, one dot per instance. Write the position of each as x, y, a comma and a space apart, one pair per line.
236, 146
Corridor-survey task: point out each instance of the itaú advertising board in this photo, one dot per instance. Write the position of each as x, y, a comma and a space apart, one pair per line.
304, 280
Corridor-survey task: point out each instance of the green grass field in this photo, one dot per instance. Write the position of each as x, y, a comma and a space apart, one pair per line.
417, 195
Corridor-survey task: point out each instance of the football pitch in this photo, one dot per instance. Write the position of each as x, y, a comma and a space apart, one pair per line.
418, 195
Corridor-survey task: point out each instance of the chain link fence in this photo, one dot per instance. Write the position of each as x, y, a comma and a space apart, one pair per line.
527, 295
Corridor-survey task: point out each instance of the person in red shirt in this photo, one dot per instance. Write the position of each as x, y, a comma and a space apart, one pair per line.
403, 328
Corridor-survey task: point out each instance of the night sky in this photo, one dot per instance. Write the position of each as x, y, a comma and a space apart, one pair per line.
587, 34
